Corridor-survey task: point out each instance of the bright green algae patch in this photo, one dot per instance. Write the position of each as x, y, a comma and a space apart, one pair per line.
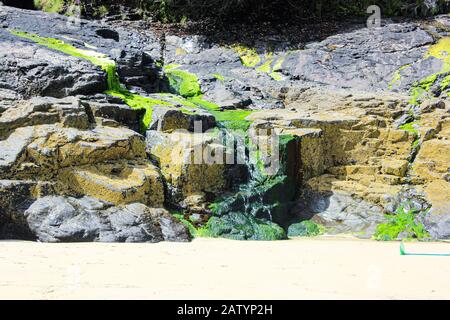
249, 57
397, 76
231, 119
441, 51
108, 65
136, 101
410, 128
182, 82
51, 6
98, 59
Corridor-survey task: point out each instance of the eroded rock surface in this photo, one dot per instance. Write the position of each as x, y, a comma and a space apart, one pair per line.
59, 219
368, 110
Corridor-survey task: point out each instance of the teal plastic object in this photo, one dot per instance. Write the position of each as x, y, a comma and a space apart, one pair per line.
404, 253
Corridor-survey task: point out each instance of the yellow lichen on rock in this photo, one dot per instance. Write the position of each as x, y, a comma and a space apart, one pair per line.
119, 182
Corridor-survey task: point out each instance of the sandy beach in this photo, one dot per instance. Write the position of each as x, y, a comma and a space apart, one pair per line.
323, 268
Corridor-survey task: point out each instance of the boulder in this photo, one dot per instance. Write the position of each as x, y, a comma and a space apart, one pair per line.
60, 219
184, 162
15, 197
117, 182
43, 150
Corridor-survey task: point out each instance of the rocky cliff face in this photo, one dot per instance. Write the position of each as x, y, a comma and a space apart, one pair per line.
91, 147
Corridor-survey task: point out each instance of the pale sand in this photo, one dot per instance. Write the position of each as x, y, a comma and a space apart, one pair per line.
335, 268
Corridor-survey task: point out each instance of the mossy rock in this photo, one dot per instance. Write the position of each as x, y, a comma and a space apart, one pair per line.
305, 229
239, 226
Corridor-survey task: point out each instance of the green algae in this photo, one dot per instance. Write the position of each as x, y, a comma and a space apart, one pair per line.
441, 51
445, 83
249, 57
397, 75
269, 65
410, 128
219, 77
231, 119
136, 101
238, 226
51, 6
195, 232
306, 228
108, 65
266, 67
182, 82
98, 59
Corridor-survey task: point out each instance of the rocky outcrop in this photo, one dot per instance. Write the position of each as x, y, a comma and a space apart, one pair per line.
15, 198
28, 71
135, 54
58, 219
188, 164
367, 112
64, 146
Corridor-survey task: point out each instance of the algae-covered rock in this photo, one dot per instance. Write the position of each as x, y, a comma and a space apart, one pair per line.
239, 226
304, 229
29, 70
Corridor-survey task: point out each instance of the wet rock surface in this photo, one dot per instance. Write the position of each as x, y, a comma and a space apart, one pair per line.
369, 110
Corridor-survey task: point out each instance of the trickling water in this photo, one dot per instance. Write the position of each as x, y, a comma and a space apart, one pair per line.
263, 196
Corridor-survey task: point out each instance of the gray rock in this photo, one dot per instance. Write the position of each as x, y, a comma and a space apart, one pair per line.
341, 213
61, 219
15, 197
169, 119
114, 113
30, 70
365, 59
135, 66
437, 225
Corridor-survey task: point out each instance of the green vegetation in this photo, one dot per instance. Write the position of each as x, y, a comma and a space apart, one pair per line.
397, 75
249, 57
182, 82
410, 128
239, 226
136, 101
219, 77
402, 222
186, 85
441, 51
195, 232
306, 228
266, 67
52, 6
98, 59
108, 65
